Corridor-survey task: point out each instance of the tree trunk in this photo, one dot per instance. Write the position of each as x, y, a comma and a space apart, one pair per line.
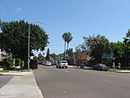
67, 46
65, 50
25, 64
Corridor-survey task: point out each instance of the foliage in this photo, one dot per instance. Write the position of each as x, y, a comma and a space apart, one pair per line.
127, 43
69, 52
4, 70
48, 54
98, 45
78, 50
67, 37
118, 49
40, 57
18, 62
8, 63
53, 56
14, 38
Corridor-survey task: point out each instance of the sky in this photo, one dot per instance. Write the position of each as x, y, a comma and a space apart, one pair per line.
80, 17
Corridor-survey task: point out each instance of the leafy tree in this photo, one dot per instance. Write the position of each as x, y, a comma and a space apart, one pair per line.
69, 52
14, 39
48, 54
98, 45
53, 56
127, 41
127, 47
118, 49
40, 57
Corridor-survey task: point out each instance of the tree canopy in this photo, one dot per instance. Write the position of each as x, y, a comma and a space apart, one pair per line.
67, 37
98, 45
14, 38
48, 54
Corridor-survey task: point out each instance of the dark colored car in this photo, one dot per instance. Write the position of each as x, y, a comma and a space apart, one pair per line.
33, 64
100, 67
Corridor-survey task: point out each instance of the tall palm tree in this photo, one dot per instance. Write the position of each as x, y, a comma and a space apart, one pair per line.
67, 37
64, 36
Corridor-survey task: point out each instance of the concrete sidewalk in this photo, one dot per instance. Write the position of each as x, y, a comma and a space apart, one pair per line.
123, 71
22, 85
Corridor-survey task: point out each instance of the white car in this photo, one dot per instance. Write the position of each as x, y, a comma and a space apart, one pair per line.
48, 63
62, 64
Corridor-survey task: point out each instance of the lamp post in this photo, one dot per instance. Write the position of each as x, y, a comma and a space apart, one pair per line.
29, 47
29, 43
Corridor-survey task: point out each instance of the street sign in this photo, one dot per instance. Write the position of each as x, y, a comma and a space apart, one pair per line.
108, 56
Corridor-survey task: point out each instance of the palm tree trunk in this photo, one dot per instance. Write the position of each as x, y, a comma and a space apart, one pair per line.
67, 46
65, 50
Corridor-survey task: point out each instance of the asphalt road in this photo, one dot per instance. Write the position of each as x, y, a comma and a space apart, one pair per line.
4, 79
77, 83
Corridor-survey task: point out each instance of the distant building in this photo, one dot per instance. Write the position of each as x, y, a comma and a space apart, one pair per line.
79, 58
3, 55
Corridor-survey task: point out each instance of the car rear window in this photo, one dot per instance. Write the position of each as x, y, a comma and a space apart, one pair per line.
64, 62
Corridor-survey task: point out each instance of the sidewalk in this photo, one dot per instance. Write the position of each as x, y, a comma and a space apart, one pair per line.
22, 85
123, 71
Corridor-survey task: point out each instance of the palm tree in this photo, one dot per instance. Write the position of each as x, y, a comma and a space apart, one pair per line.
64, 36
67, 37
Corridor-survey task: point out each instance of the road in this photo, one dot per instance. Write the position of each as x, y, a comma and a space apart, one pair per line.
77, 83
4, 79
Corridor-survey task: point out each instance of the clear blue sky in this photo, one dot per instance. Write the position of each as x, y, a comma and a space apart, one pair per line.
80, 17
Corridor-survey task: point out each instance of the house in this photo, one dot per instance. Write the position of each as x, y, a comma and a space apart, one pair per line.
80, 58
3, 55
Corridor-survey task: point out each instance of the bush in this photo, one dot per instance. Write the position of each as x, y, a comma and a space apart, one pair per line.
8, 63
18, 62
9, 60
5, 65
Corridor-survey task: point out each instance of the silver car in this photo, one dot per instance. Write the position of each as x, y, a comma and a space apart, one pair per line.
62, 64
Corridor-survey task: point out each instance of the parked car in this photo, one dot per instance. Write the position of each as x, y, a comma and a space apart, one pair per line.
62, 64
54, 62
47, 63
43, 63
100, 67
33, 64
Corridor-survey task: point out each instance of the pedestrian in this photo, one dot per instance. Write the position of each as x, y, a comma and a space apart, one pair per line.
119, 65
113, 65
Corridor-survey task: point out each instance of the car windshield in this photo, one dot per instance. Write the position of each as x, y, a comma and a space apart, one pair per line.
102, 65
63, 62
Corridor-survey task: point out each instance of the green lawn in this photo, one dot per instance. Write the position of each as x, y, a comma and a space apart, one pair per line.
4, 70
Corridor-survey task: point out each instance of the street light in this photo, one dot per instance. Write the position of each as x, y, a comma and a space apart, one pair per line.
29, 43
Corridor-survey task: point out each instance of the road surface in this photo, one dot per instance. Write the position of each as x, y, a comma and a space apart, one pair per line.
78, 83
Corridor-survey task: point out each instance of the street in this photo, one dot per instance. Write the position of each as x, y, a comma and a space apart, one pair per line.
4, 79
77, 83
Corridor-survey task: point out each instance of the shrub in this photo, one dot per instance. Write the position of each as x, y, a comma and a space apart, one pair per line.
18, 62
